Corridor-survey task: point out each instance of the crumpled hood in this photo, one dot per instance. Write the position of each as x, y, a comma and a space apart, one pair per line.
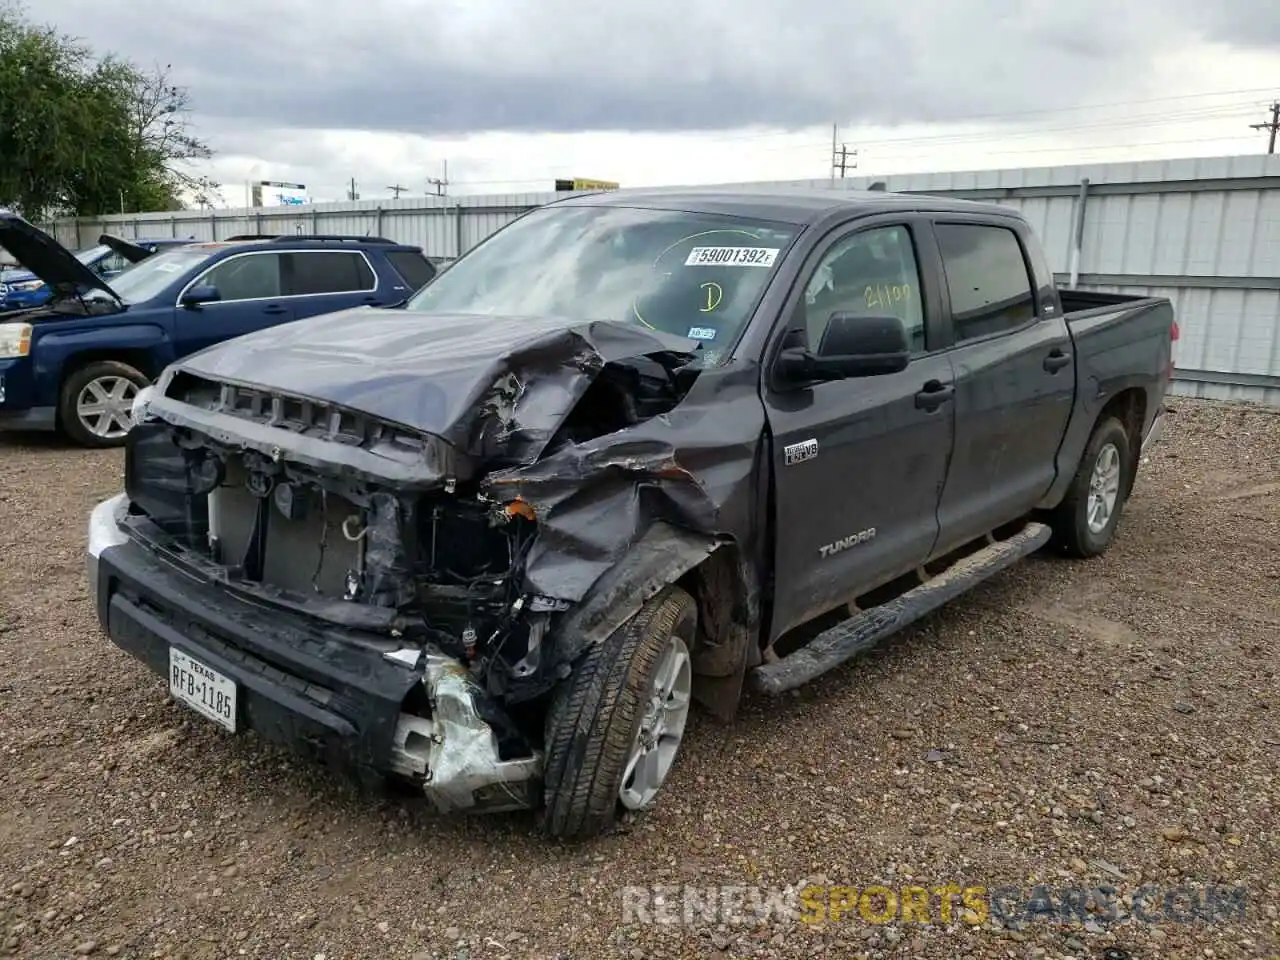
486, 384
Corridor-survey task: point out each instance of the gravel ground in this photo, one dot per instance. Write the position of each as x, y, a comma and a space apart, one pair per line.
1068, 724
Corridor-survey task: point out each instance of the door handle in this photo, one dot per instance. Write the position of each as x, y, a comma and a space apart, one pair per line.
1056, 360
274, 308
934, 394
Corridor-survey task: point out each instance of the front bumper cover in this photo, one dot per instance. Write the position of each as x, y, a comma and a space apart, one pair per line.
304, 684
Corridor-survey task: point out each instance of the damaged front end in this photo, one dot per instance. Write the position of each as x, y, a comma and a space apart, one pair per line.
416, 543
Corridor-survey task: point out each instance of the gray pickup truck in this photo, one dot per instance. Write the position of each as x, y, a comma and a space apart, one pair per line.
633, 450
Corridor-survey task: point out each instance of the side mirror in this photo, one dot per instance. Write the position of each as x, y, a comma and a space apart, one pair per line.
200, 293
851, 346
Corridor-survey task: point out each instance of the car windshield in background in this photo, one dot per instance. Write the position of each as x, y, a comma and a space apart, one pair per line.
142, 281
92, 253
690, 274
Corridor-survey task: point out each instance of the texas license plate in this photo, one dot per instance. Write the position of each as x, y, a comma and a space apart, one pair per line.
203, 689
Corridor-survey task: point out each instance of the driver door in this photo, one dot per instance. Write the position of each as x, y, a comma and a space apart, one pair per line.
251, 297
859, 464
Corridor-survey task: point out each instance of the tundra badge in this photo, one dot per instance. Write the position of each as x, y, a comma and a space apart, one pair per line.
831, 549
794, 453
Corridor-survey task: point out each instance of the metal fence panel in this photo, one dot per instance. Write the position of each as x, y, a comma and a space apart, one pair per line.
1203, 231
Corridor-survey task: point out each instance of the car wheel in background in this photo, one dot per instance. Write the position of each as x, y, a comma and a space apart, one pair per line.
94, 407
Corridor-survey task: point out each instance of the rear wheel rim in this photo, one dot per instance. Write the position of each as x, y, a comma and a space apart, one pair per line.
104, 406
1104, 488
661, 728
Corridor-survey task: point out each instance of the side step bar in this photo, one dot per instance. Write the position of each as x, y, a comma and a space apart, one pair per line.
860, 633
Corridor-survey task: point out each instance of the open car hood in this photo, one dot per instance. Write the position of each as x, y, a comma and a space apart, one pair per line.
483, 383
47, 258
130, 251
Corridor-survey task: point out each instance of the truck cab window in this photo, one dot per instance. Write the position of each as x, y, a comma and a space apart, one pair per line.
872, 273
987, 277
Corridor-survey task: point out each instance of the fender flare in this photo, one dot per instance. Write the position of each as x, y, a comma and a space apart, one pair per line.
662, 556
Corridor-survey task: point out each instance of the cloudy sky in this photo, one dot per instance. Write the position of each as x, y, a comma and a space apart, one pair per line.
511, 94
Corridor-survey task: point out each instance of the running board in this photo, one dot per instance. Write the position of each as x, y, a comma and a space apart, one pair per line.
860, 633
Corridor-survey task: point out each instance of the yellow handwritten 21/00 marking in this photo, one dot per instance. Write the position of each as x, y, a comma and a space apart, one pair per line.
887, 294
715, 294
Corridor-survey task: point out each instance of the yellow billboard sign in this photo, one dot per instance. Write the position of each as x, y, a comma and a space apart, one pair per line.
584, 184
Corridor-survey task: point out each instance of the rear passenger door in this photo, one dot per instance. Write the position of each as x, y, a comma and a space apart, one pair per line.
1014, 378
324, 281
251, 296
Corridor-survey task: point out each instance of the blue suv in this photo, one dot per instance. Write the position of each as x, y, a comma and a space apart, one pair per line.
111, 256
77, 363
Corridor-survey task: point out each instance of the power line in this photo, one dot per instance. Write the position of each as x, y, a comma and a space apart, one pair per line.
1194, 114
983, 137
1084, 148
1047, 110
1224, 112
396, 191
1273, 125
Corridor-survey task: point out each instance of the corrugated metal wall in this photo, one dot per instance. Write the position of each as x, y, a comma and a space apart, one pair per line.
1203, 232
442, 227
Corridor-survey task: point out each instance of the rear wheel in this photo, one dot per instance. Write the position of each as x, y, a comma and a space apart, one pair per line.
1084, 524
96, 402
617, 722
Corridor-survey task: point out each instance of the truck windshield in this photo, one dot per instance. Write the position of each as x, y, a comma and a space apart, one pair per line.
690, 274
142, 281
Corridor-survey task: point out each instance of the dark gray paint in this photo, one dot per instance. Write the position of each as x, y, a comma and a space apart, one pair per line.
713, 467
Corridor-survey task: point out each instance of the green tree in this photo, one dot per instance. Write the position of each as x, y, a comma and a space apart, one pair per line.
85, 135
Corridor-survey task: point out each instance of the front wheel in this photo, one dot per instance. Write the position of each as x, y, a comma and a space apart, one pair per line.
95, 408
1084, 524
616, 723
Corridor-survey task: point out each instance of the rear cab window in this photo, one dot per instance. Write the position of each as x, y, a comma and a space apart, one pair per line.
987, 277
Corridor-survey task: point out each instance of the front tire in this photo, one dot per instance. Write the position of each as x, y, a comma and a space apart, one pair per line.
1084, 524
615, 725
94, 406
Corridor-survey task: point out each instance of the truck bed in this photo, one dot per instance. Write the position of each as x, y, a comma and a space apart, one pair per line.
1080, 301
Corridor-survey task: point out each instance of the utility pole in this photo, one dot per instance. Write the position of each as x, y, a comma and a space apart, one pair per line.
351, 193
396, 191
441, 181
835, 135
1272, 126
842, 159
